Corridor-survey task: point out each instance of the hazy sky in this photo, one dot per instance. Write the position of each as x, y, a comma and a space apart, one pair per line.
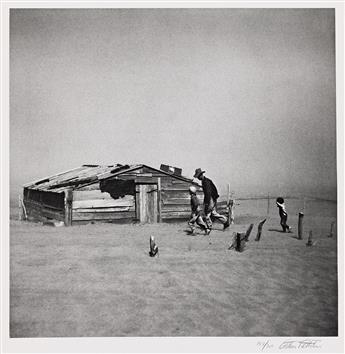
246, 94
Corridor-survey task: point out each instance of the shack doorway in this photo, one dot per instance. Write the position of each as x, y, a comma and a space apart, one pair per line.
147, 203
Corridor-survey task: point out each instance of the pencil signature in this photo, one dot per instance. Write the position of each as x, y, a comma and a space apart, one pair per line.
301, 344
291, 344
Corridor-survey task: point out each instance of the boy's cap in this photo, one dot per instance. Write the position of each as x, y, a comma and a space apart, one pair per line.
198, 172
192, 189
280, 200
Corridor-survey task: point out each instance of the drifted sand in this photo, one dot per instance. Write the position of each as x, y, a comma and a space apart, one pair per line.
98, 280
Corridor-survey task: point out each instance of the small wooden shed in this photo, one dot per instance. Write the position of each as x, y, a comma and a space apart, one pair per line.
116, 193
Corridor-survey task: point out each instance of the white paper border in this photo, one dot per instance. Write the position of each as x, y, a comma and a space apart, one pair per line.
163, 344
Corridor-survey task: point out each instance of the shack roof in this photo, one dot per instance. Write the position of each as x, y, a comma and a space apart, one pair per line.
89, 174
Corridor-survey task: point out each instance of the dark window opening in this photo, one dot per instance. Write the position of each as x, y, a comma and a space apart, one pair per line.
117, 188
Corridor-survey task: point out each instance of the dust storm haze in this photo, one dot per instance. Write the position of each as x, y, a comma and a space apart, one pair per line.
246, 94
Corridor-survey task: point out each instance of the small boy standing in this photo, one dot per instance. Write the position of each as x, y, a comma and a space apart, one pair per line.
196, 217
283, 214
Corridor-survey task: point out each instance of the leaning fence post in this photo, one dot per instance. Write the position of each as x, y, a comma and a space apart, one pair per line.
300, 225
249, 230
261, 224
23, 208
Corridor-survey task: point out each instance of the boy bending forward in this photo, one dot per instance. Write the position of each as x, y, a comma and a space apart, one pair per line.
196, 217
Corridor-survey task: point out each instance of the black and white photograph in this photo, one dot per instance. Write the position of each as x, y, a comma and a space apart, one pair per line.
174, 172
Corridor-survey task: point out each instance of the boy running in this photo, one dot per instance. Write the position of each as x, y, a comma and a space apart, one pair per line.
196, 217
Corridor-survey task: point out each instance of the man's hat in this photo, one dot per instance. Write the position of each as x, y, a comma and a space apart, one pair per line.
198, 172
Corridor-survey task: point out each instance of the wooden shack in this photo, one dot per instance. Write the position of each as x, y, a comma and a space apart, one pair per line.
116, 193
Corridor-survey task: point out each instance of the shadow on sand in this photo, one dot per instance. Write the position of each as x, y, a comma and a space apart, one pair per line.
190, 233
296, 237
281, 231
284, 232
196, 232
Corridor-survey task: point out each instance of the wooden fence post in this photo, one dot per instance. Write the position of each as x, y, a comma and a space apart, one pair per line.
238, 242
300, 225
250, 228
258, 235
268, 204
230, 204
231, 211
24, 214
68, 207
159, 199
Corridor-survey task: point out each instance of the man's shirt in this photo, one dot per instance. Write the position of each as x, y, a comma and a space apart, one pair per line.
210, 191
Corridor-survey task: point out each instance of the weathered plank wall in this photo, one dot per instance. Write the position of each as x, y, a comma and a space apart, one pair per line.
91, 205
175, 198
43, 206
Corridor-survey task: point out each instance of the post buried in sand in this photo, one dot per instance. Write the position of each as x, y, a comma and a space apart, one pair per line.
310, 238
332, 229
153, 247
23, 208
300, 225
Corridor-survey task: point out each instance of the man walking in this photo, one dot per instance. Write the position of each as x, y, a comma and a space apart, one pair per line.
210, 200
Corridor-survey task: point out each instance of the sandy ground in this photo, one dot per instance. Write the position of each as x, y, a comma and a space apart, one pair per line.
98, 280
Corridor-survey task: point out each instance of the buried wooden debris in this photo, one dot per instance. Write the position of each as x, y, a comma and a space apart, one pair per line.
331, 234
260, 226
249, 230
153, 247
238, 242
53, 223
310, 239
